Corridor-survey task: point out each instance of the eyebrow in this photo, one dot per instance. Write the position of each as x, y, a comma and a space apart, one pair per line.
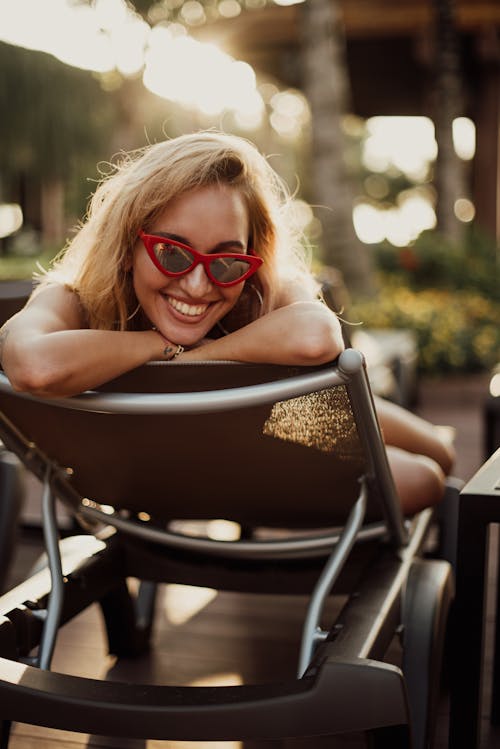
228, 246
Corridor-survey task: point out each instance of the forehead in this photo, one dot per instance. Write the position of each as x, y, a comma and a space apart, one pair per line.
212, 207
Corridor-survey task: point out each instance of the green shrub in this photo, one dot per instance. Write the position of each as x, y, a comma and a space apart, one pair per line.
456, 330
433, 261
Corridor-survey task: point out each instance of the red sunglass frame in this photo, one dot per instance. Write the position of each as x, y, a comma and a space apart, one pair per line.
149, 240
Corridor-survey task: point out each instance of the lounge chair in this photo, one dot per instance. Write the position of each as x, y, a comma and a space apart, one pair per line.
13, 296
294, 455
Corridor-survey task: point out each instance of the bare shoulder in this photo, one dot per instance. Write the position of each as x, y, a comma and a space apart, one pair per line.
50, 307
296, 290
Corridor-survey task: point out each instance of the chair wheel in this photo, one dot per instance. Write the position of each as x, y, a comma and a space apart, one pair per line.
425, 614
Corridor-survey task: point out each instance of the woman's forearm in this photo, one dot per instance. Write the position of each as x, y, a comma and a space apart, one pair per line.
65, 362
303, 333
70, 361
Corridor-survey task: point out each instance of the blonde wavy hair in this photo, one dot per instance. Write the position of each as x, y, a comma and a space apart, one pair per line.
96, 262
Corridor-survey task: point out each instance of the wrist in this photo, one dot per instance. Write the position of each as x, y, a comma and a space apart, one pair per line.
170, 350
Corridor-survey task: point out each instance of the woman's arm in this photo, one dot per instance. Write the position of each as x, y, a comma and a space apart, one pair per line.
302, 333
47, 350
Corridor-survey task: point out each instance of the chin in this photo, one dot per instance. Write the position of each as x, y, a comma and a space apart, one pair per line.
187, 337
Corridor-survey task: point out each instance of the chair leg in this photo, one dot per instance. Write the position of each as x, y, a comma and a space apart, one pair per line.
5, 726
390, 737
145, 607
128, 630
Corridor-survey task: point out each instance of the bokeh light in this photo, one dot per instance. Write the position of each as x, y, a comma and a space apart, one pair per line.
289, 113
464, 138
464, 210
11, 219
229, 8
406, 143
400, 225
495, 385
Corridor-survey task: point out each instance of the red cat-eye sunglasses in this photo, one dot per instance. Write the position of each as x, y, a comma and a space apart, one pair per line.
175, 259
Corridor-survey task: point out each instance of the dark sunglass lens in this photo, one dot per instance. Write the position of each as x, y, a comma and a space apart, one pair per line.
174, 259
227, 269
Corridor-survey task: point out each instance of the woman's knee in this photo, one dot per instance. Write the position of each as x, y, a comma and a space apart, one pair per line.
420, 481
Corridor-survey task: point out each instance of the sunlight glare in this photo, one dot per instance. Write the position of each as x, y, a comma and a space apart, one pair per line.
128, 41
110, 12
229, 679
108, 34
183, 602
75, 34
200, 75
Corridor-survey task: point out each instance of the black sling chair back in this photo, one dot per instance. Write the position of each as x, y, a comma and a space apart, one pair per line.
265, 446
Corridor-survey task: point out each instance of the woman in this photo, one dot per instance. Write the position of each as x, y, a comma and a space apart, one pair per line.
187, 253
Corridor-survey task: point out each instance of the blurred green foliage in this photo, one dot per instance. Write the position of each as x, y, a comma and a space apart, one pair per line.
56, 119
435, 261
448, 295
18, 267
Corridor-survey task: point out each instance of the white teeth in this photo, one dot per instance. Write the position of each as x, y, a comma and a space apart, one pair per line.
187, 309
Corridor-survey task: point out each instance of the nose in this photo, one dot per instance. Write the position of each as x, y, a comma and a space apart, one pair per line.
196, 283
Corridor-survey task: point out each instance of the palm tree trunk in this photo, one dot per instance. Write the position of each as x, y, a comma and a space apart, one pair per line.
326, 86
450, 170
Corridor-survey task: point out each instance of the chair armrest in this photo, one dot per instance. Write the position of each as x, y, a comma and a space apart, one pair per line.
486, 481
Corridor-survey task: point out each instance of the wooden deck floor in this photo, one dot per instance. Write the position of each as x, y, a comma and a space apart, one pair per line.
206, 638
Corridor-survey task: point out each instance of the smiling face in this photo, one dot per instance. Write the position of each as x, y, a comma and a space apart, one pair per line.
209, 219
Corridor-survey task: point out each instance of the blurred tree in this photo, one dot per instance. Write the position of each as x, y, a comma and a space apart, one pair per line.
56, 122
59, 122
326, 86
450, 178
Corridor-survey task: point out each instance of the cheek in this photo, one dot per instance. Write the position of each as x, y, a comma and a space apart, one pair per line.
232, 294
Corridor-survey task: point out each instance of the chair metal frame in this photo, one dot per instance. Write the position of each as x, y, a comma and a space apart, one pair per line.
338, 667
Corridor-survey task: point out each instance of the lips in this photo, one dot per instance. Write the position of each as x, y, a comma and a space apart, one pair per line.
190, 310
